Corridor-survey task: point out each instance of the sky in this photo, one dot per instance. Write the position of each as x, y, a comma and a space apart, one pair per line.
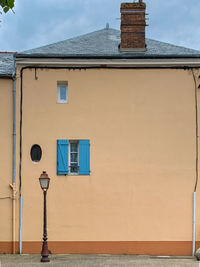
41, 22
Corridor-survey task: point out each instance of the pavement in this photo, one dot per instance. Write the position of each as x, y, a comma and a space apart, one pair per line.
96, 260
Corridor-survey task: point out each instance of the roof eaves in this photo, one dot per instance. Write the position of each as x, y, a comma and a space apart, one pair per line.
6, 76
121, 56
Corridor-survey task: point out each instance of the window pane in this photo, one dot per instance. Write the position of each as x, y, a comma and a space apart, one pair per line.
74, 168
74, 157
74, 147
36, 153
63, 93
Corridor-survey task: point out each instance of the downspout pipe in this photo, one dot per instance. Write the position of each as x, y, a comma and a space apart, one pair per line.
20, 164
13, 186
194, 223
14, 130
20, 223
197, 163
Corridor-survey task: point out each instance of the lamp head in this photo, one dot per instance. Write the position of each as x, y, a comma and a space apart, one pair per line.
44, 181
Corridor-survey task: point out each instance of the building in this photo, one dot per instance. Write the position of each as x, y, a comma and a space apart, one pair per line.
113, 118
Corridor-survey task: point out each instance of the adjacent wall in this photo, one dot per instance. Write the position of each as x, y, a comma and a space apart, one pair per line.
5, 164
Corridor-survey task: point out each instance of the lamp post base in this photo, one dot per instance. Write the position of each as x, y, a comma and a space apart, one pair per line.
45, 252
45, 259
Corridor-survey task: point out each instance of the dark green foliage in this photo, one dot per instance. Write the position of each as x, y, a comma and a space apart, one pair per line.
7, 5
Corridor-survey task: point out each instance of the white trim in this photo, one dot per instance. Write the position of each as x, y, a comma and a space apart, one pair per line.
177, 62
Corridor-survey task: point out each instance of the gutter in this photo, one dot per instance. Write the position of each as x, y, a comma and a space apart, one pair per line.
104, 56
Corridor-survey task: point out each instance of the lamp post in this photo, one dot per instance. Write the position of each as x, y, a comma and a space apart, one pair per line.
44, 183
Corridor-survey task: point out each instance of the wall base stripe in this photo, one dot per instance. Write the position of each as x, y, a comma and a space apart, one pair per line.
171, 248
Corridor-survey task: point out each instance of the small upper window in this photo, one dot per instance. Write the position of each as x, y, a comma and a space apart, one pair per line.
62, 92
36, 153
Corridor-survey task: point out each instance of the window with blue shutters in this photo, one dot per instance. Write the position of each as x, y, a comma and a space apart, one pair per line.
73, 157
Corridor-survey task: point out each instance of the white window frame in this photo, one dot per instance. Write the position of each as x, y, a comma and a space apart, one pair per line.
69, 153
59, 85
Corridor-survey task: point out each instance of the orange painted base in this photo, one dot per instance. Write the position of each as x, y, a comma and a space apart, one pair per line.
173, 248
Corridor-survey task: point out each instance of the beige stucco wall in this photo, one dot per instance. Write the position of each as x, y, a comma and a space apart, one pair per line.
5, 159
141, 125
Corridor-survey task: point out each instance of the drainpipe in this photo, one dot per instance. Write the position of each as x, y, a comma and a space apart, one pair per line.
20, 162
197, 162
14, 191
13, 186
20, 223
194, 223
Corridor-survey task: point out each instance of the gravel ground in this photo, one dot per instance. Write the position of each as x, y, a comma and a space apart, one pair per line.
96, 260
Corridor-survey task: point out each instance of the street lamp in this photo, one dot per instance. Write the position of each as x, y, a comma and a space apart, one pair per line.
44, 183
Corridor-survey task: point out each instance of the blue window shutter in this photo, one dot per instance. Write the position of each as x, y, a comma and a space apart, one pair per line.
84, 157
62, 157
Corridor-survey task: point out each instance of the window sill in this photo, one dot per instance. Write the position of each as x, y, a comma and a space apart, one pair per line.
72, 175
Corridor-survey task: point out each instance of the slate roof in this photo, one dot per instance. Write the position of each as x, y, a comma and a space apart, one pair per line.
105, 43
6, 64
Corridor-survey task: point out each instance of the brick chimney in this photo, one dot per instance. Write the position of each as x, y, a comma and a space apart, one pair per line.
133, 23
